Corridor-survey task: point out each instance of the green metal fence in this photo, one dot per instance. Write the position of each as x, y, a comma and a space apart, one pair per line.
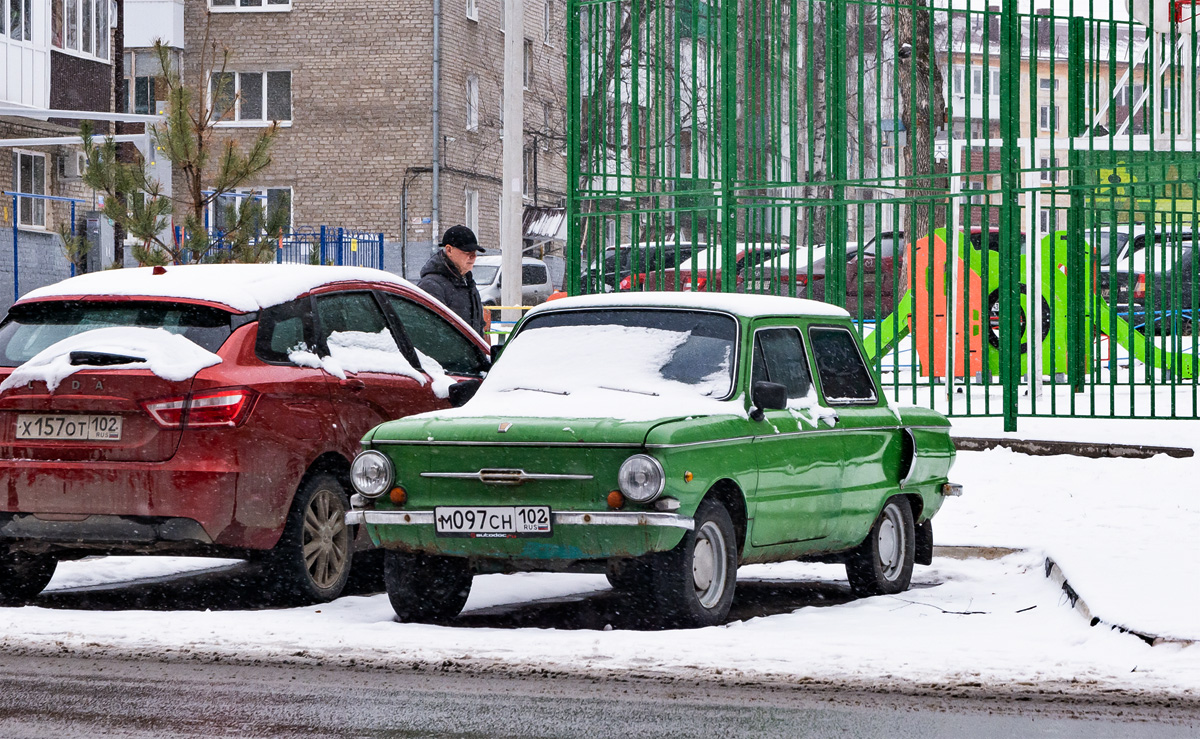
1003, 200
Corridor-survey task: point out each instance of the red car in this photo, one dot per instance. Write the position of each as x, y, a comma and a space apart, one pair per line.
208, 410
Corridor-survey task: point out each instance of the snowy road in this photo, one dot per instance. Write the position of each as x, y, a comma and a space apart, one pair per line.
1122, 531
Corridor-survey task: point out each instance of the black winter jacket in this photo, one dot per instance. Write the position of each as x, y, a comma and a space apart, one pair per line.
457, 292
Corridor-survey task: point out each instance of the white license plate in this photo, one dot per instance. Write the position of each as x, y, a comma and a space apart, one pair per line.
70, 427
486, 522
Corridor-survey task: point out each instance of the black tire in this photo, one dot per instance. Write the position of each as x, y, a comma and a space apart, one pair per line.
694, 582
426, 588
23, 576
312, 559
633, 575
883, 563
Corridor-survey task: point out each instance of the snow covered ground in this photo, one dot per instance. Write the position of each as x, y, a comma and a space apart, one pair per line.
1123, 532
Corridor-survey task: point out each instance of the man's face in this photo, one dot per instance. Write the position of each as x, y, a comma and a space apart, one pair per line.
463, 261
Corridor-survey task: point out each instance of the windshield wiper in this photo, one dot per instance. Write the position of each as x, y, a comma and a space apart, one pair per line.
627, 390
536, 390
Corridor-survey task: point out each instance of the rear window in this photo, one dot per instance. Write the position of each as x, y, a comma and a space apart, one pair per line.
30, 328
533, 274
485, 273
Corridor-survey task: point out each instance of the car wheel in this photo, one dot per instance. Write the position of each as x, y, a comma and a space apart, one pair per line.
694, 582
630, 575
312, 558
23, 576
883, 563
425, 587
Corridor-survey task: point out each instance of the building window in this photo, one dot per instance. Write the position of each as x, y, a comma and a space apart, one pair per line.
995, 91
249, 6
251, 96
976, 83
976, 199
29, 177
1048, 118
275, 201
80, 25
472, 10
472, 103
471, 210
959, 73
1048, 85
1047, 220
1049, 169
20, 19
546, 38
528, 64
528, 170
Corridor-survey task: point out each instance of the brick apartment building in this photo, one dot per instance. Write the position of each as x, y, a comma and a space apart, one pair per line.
353, 86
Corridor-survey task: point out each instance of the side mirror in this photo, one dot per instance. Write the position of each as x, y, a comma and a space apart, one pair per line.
767, 396
461, 392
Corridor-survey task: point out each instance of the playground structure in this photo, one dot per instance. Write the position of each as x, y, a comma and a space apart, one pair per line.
1042, 161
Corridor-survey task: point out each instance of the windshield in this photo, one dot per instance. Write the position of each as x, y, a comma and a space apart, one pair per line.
32, 327
636, 351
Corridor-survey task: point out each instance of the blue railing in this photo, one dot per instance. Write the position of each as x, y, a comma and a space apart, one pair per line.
326, 245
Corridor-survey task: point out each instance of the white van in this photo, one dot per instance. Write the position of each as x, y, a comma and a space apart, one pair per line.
535, 278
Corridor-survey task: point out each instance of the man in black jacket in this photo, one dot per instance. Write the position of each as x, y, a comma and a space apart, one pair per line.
447, 276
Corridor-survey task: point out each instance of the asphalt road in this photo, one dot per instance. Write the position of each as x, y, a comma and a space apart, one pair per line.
68, 696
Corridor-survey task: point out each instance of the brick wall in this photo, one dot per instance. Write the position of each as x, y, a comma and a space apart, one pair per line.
362, 99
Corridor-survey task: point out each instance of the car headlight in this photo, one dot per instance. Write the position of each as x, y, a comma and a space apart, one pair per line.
372, 473
641, 478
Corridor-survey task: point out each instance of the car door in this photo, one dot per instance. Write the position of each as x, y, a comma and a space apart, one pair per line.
799, 459
869, 431
372, 378
435, 337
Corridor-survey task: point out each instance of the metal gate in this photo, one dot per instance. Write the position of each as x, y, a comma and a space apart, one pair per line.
1003, 199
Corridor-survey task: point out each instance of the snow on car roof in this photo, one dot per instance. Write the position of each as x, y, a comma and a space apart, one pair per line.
243, 287
737, 303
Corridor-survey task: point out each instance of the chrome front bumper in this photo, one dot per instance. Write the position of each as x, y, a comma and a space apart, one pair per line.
559, 518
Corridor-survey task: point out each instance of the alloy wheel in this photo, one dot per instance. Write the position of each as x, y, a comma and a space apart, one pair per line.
326, 543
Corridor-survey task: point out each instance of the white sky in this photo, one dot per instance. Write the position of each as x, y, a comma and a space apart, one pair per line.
1122, 530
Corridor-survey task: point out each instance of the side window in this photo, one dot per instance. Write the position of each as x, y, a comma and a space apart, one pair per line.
281, 329
779, 357
353, 330
840, 367
533, 274
436, 338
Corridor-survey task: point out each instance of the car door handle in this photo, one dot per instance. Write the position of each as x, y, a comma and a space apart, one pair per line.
353, 385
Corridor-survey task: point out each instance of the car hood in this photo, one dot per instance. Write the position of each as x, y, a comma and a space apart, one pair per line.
495, 429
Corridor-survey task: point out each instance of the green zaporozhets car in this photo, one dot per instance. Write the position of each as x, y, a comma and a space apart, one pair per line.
665, 439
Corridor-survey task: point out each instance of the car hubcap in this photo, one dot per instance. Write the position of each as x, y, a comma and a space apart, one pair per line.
708, 565
326, 540
891, 542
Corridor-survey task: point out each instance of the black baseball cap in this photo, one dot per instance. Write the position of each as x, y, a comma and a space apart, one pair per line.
461, 237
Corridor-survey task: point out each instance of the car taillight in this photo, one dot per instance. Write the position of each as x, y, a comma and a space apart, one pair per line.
215, 408
1139, 288
802, 279
626, 284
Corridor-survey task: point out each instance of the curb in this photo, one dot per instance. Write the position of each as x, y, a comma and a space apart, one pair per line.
1055, 573
1039, 448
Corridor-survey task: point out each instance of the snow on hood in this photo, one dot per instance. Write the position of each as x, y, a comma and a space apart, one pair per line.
170, 356
597, 372
243, 287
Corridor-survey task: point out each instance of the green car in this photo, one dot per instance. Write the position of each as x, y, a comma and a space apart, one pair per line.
664, 439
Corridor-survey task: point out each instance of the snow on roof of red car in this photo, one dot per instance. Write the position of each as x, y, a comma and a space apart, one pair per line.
243, 287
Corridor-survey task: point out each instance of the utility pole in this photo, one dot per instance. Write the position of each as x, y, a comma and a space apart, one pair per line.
511, 241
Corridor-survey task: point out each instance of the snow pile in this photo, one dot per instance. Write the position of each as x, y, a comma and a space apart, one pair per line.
604, 372
361, 351
170, 356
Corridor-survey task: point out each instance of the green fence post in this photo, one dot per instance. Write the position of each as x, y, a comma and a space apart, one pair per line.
1010, 224
1077, 281
835, 126
574, 248
729, 141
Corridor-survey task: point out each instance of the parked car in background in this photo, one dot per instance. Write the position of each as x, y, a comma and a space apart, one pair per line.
625, 267
208, 410
872, 272
1143, 253
535, 280
1165, 300
702, 271
665, 441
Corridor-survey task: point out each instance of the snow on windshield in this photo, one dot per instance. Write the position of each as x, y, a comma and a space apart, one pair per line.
608, 371
170, 356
